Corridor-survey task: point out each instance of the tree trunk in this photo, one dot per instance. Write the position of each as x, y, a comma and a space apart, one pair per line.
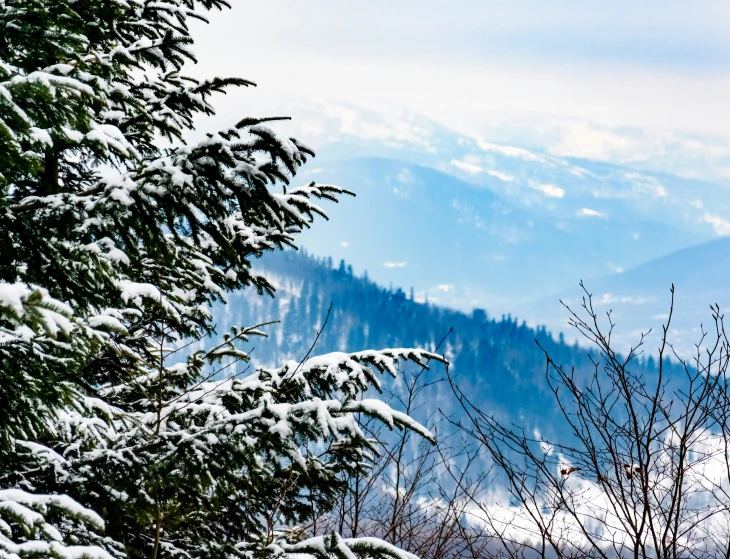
49, 179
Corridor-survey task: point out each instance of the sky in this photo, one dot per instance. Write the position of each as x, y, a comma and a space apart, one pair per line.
661, 65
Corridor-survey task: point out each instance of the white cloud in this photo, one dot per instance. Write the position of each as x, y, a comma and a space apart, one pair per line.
363, 55
394, 264
696, 204
445, 287
587, 212
721, 226
549, 190
344, 244
682, 153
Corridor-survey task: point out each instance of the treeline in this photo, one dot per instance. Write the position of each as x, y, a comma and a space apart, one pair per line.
499, 359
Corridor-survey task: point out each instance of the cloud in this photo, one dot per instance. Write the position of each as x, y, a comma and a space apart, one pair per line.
721, 226
394, 264
606, 66
445, 287
549, 190
587, 212
344, 244
682, 153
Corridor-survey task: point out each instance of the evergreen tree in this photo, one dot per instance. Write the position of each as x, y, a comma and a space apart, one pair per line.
117, 234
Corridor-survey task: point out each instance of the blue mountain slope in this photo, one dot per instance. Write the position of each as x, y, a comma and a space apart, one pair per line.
499, 220
532, 179
495, 360
464, 244
639, 298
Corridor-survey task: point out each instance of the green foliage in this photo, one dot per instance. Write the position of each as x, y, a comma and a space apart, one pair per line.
117, 233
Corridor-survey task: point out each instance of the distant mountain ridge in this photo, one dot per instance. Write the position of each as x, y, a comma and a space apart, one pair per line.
467, 245
506, 221
639, 298
496, 360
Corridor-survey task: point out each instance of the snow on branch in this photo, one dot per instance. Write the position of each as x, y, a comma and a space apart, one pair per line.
25, 530
333, 545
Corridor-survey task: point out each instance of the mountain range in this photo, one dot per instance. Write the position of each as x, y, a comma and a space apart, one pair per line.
469, 222
321, 306
640, 298
472, 223
487, 239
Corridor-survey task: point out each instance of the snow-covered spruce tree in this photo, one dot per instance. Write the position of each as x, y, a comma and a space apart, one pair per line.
116, 235
40, 345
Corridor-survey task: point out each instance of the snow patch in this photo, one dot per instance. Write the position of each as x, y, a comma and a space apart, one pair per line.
405, 176
608, 299
721, 226
587, 212
470, 168
509, 151
504, 177
549, 190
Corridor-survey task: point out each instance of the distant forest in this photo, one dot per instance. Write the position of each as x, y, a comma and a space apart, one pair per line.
498, 360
